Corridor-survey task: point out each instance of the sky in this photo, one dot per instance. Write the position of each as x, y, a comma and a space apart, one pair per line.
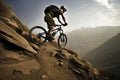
80, 13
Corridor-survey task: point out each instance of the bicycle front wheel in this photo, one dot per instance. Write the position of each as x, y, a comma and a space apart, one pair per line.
62, 40
38, 35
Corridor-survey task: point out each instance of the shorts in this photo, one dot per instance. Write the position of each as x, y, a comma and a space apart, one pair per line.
49, 20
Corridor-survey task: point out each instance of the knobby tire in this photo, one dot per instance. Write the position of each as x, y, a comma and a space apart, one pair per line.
44, 32
62, 40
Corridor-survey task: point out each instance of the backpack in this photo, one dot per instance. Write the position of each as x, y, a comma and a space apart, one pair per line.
51, 8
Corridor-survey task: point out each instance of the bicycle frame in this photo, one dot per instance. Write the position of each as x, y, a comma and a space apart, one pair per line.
44, 36
59, 29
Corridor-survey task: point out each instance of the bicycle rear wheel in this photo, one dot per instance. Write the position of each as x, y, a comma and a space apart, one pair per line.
62, 40
38, 35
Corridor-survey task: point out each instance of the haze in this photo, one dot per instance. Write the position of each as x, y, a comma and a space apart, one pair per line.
80, 13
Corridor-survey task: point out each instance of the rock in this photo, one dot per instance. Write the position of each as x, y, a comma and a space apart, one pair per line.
11, 36
36, 47
14, 55
61, 64
45, 77
23, 67
59, 56
72, 52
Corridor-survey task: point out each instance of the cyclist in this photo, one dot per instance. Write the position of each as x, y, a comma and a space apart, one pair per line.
51, 12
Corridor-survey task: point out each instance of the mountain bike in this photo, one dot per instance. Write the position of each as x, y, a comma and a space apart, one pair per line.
42, 35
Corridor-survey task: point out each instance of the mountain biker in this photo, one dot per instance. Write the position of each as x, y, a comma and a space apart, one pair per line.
51, 12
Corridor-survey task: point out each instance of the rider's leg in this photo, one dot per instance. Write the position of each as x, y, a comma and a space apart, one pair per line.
50, 23
51, 28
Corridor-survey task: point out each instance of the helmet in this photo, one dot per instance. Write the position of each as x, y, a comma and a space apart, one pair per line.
63, 8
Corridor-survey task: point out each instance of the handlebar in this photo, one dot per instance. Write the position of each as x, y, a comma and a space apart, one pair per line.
59, 25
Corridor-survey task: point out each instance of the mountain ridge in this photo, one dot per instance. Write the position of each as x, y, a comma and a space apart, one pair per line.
106, 57
109, 47
85, 40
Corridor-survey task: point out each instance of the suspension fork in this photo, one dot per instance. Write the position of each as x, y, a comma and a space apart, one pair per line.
61, 31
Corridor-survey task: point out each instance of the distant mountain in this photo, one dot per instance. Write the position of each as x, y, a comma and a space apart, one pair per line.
85, 40
107, 54
107, 57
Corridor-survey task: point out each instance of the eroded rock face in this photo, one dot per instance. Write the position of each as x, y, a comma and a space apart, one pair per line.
16, 62
12, 36
22, 60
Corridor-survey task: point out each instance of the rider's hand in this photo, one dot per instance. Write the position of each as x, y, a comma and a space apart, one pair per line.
65, 24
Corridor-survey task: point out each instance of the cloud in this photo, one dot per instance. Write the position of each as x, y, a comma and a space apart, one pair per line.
112, 10
104, 3
108, 5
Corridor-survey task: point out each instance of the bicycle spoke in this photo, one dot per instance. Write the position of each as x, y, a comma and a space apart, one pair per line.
62, 40
39, 33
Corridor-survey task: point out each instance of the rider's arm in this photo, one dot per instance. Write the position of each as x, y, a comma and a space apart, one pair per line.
59, 20
62, 18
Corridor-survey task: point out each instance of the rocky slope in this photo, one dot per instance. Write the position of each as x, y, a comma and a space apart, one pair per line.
21, 59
